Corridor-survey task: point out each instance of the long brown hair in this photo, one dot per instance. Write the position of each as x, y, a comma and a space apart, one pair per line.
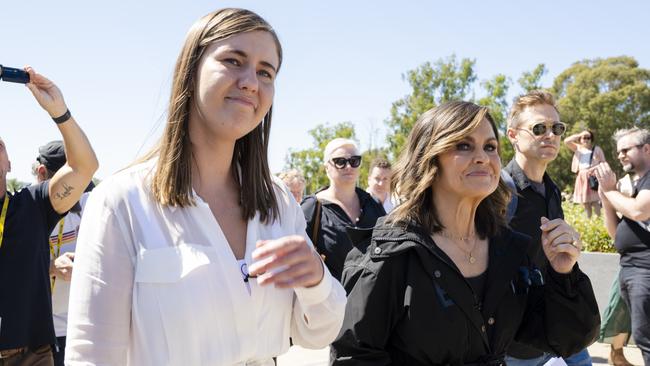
172, 181
437, 131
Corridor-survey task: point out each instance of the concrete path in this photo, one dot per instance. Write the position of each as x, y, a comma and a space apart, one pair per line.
298, 356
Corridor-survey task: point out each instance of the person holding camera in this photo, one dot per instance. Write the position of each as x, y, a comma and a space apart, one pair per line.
586, 155
26, 221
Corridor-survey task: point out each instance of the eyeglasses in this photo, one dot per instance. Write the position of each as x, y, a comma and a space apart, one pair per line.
626, 149
540, 129
586, 138
340, 163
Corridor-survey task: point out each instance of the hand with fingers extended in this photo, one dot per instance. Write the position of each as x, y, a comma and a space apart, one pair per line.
561, 244
286, 262
606, 177
47, 94
62, 266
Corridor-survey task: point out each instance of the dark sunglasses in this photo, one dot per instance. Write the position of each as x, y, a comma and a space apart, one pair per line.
586, 138
540, 129
626, 149
340, 163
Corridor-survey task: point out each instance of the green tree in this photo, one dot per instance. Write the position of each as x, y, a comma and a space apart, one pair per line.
310, 161
530, 80
496, 90
431, 84
602, 95
14, 185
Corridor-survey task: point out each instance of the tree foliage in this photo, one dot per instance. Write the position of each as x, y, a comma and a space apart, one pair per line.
431, 84
602, 95
14, 185
531, 80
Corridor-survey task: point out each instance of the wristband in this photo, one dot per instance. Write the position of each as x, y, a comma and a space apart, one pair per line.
64, 118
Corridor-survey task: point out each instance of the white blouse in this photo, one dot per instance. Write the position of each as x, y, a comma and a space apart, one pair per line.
159, 285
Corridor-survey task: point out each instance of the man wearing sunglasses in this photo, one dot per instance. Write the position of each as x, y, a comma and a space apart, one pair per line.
631, 233
535, 131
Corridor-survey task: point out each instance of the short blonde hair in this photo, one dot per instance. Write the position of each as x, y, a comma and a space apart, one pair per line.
337, 143
534, 97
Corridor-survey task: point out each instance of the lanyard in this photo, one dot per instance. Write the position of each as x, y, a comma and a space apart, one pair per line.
55, 254
3, 217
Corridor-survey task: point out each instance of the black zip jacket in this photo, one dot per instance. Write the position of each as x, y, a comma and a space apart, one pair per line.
408, 303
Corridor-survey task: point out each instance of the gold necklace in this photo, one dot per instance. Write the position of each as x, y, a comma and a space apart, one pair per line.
465, 239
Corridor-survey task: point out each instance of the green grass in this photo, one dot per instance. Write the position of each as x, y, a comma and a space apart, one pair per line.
592, 231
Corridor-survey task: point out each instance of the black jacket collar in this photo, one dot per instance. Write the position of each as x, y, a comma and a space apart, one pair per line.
520, 178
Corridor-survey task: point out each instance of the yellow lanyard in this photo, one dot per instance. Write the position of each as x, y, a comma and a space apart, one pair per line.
55, 254
3, 217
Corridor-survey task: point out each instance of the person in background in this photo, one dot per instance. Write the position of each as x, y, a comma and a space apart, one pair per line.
586, 155
341, 205
26, 220
444, 281
63, 239
294, 180
616, 327
631, 232
535, 130
379, 183
196, 254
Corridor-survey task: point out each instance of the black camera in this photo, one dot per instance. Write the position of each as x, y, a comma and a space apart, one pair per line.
12, 75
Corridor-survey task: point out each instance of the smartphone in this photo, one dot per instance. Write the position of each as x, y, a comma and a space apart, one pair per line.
13, 75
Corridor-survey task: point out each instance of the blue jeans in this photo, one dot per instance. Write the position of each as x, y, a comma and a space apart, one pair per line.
581, 358
635, 291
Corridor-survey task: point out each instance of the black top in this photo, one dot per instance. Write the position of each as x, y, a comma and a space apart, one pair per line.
478, 284
409, 305
25, 299
633, 241
531, 206
333, 241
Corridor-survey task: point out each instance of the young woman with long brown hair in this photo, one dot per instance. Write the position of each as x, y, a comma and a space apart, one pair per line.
196, 255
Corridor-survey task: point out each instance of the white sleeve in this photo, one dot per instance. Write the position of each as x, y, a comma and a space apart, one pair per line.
101, 289
317, 311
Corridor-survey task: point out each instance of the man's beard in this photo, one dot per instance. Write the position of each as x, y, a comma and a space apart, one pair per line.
628, 168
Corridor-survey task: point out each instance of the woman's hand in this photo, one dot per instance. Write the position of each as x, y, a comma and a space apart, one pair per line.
286, 262
561, 244
46, 93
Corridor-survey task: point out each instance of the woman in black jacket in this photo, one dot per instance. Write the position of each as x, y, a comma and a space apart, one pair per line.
444, 281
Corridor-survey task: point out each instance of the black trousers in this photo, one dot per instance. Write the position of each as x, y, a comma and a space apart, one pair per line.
635, 291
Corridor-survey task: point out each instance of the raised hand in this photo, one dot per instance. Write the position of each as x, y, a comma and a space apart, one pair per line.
62, 266
286, 262
606, 177
47, 94
561, 244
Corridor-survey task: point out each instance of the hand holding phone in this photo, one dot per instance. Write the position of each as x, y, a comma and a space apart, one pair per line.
13, 75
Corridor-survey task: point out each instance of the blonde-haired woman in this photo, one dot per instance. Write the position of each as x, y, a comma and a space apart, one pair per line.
586, 154
197, 255
443, 280
339, 206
